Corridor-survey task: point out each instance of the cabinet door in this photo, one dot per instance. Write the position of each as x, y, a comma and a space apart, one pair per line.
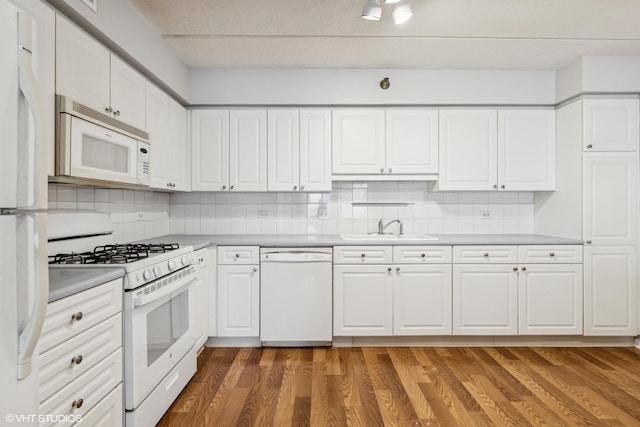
610, 124
610, 290
362, 300
422, 299
283, 150
178, 147
127, 94
210, 150
485, 299
610, 198
550, 299
201, 296
158, 128
358, 141
83, 70
526, 150
248, 150
411, 141
468, 150
315, 150
238, 301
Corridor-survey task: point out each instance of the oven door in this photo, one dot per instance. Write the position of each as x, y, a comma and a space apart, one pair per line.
100, 153
159, 331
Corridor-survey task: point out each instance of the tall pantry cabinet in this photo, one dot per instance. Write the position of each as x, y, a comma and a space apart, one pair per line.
596, 199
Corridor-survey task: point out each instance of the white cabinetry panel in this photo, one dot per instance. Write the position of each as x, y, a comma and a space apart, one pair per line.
283, 150
158, 127
358, 141
238, 301
127, 94
411, 141
315, 150
610, 124
178, 164
248, 150
210, 150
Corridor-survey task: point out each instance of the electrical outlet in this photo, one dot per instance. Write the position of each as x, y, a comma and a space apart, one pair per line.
139, 216
486, 214
323, 212
264, 213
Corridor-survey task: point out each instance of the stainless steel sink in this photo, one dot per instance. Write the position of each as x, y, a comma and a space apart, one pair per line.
376, 236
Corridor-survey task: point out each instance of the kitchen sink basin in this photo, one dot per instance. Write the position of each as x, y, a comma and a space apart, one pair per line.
376, 236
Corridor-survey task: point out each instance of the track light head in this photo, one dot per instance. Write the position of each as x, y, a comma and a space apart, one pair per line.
401, 13
372, 10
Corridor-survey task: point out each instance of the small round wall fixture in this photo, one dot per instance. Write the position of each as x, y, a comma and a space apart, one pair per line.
385, 83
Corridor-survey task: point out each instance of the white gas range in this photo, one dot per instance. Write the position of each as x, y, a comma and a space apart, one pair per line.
159, 337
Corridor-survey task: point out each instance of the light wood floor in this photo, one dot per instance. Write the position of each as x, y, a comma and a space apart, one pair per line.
412, 387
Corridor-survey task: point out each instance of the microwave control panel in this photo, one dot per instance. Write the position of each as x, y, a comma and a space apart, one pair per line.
143, 163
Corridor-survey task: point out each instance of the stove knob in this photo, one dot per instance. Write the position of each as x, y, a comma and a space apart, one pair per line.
157, 271
185, 260
171, 265
148, 275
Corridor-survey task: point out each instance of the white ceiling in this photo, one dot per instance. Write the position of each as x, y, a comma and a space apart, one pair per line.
443, 34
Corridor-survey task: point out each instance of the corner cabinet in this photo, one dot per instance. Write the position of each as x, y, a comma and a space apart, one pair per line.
385, 143
610, 124
506, 150
89, 74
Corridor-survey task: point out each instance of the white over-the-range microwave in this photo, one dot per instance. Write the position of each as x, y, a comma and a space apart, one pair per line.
98, 148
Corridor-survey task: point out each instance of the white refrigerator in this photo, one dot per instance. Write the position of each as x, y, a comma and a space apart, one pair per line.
26, 132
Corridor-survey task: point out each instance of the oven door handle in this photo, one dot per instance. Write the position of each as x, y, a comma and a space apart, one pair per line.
174, 289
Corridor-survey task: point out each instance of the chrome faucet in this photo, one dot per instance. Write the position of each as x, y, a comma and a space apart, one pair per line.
382, 226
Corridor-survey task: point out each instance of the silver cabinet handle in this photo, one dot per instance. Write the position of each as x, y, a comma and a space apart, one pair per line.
486, 254
295, 187
116, 113
301, 187
76, 360
515, 268
381, 170
495, 186
231, 188
502, 186
108, 110
388, 268
237, 255
255, 269
77, 316
588, 242
363, 255
523, 268
423, 255
224, 187
389, 170
552, 254
589, 146
397, 268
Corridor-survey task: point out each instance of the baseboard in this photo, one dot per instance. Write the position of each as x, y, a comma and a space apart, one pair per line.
636, 342
233, 342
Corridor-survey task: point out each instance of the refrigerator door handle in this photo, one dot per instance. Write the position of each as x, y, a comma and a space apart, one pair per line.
34, 272
33, 157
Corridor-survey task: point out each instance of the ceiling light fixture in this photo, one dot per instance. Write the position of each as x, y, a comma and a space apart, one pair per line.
372, 10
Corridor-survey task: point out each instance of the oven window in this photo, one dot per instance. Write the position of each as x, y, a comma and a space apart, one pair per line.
166, 325
104, 155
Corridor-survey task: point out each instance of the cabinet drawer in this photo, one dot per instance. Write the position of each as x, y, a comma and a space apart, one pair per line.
202, 259
362, 255
70, 316
238, 255
422, 254
67, 361
485, 254
107, 413
87, 390
560, 254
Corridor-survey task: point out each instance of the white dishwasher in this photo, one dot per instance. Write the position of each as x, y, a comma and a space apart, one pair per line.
296, 288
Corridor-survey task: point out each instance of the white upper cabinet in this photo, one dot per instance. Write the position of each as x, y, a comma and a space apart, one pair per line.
412, 141
210, 150
506, 150
283, 148
315, 150
178, 163
526, 150
158, 128
610, 191
83, 67
89, 74
248, 150
358, 141
468, 150
385, 144
610, 124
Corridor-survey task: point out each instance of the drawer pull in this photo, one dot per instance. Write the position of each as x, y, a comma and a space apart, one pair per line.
77, 316
389, 269
552, 254
397, 268
486, 254
363, 255
588, 242
423, 255
77, 359
237, 255
524, 268
77, 403
255, 269
515, 268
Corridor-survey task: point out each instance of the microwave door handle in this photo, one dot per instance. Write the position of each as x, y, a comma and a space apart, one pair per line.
33, 270
33, 171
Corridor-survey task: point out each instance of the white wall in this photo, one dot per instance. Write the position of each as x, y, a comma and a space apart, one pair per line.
298, 213
120, 22
352, 86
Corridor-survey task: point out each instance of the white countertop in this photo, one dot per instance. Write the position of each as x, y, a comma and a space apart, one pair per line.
199, 241
65, 281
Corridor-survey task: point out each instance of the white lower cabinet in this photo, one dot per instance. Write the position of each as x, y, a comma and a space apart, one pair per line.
610, 290
485, 299
550, 299
238, 301
362, 300
422, 299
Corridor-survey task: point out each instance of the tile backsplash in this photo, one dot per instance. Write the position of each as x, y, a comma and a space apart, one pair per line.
144, 214
135, 214
427, 211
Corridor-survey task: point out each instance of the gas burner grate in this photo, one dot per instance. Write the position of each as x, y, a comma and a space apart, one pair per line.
72, 258
113, 254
